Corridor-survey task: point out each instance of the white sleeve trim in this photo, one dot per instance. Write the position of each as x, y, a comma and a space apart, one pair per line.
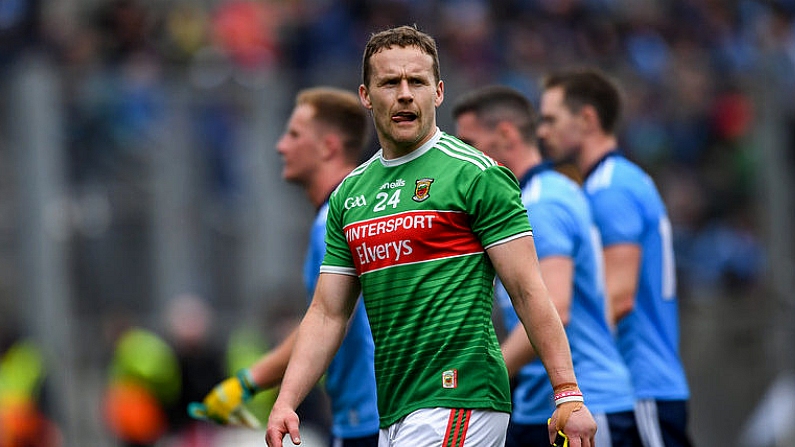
348, 271
509, 239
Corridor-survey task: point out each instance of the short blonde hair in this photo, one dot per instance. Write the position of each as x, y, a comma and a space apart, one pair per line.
340, 110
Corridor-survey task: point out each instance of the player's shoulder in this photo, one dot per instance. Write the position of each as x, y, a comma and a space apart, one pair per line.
456, 152
617, 173
355, 174
322, 215
551, 185
362, 168
560, 181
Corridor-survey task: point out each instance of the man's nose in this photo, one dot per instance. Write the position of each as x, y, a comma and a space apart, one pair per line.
404, 91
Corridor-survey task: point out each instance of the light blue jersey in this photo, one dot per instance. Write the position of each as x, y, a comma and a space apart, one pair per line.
628, 209
562, 226
350, 378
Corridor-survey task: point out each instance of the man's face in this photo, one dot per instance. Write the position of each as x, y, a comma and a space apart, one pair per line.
560, 130
473, 132
300, 146
403, 96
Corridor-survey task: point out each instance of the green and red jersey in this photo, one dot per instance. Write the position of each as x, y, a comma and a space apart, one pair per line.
414, 230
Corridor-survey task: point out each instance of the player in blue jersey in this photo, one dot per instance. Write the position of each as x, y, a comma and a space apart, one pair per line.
500, 121
324, 140
580, 111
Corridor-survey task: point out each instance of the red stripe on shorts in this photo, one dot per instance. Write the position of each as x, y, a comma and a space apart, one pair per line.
457, 426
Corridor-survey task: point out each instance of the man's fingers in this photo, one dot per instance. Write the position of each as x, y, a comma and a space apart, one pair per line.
280, 424
292, 428
551, 428
273, 438
581, 442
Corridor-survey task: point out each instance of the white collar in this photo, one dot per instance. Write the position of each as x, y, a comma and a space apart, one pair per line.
416, 153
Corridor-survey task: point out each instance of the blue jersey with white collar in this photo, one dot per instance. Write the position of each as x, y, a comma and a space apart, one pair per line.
350, 378
562, 226
627, 208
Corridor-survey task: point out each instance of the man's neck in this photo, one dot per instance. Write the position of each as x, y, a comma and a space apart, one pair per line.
393, 151
324, 182
527, 160
594, 150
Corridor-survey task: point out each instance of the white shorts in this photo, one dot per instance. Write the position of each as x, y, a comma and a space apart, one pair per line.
446, 427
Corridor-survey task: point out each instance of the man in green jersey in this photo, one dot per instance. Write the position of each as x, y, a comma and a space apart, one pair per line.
421, 229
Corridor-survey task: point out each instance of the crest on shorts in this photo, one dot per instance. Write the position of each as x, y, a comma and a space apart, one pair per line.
422, 189
450, 378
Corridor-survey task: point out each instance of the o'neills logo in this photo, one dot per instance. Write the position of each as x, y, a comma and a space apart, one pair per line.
450, 378
422, 190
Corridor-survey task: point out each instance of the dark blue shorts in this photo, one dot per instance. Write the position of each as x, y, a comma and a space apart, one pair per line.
621, 432
365, 441
663, 423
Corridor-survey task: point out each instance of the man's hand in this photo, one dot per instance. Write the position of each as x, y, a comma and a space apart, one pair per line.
576, 422
224, 404
282, 421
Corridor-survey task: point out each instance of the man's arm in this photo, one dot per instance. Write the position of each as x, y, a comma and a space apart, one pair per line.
319, 336
557, 272
622, 263
518, 268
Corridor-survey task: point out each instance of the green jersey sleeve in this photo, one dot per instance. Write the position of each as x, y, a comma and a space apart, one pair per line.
338, 255
495, 206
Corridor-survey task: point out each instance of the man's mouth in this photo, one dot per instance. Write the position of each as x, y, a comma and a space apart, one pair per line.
402, 117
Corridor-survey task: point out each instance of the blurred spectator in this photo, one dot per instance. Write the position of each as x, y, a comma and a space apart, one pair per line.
714, 257
20, 22
144, 379
189, 322
216, 124
244, 347
125, 27
186, 32
114, 116
468, 34
23, 419
246, 30
117, 92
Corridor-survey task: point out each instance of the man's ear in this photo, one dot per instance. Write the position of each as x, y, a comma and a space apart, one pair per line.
364, 97
508, 134
332, 145
591, 117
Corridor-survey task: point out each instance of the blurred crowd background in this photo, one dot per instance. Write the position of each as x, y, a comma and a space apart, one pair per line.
142, 210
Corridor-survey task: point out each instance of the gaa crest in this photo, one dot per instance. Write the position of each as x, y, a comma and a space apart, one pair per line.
450, 378
422, 190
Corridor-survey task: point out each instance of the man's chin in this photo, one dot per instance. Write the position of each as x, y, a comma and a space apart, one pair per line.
405, 131
559, 159
291, 178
